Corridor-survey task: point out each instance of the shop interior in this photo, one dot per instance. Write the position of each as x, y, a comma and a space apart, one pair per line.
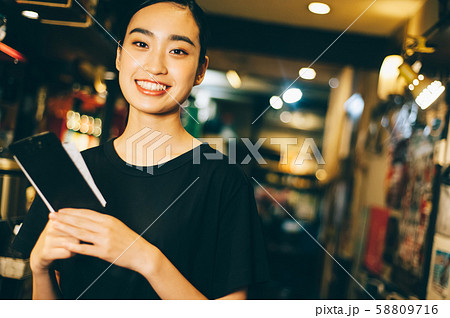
358, 95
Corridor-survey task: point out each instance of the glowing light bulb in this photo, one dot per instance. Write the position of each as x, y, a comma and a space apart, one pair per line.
429, 95
30, 14
319, 8
234, 79
292, 95
276, 102
285, 117
333, 82
307, 73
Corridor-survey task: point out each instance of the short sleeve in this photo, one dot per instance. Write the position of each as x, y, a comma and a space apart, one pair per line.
241, 258
32, 227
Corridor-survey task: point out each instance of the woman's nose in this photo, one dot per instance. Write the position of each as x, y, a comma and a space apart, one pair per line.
155, 63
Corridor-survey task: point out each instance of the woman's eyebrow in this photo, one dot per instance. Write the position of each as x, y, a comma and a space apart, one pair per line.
173, 37
176, 37
143, 31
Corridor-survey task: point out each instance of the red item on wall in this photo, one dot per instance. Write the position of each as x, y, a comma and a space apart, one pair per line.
376, 239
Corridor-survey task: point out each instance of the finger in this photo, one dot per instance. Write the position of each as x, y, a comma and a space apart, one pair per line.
84, 249
84, 213
77, 232
62, 241
54, 232
57, 242
76, 221
59, 253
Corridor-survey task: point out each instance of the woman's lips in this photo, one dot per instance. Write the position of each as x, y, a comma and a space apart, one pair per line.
151, 88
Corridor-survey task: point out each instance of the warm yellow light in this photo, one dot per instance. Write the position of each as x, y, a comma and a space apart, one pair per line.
292, 95
307, 73
388, 83
276, 102
70, 114
30, 14
426, 91
84, 128
321, 174
97, 131
319, 8
429, 95
285, 117
234, 79
76, 126
100, 87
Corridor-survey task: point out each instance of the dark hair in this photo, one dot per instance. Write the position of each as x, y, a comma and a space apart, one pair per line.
197, 13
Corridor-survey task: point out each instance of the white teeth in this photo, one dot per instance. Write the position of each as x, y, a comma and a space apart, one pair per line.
151, 86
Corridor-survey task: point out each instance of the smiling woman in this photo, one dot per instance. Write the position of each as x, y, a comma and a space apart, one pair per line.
160, 58
176, 226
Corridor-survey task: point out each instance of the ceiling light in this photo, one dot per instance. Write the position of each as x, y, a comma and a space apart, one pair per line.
285, 117
307, 73
424, 90
333, 82
319, 8
234, 79
388, 83
30, 14
429, 94
276, 102
292, 95
354, 106
321, 174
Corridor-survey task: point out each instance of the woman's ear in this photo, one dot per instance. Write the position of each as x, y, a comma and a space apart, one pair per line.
201, 72
119, 52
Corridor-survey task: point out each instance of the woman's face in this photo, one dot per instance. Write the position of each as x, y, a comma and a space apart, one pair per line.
158, 64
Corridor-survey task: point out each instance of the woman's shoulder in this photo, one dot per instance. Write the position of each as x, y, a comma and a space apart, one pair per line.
92, 151
221, 165
94, 155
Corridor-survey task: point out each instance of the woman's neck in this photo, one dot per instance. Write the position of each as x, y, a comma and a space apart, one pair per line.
163, 134
166, 124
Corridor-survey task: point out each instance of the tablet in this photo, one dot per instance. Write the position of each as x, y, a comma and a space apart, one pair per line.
58, 173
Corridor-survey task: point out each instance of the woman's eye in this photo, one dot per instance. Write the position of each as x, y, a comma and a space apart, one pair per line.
140, 44
178, 52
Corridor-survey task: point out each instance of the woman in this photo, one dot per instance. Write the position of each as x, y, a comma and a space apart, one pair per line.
183, 231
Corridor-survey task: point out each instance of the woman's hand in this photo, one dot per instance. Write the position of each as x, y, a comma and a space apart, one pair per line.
109, 238
49, 247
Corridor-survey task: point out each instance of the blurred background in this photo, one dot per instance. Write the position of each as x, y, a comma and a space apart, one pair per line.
373, 105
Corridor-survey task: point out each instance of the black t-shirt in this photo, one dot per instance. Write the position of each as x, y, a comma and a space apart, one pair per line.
201, 212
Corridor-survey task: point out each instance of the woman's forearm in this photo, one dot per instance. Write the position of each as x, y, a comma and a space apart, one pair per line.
165, 278
45, 286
